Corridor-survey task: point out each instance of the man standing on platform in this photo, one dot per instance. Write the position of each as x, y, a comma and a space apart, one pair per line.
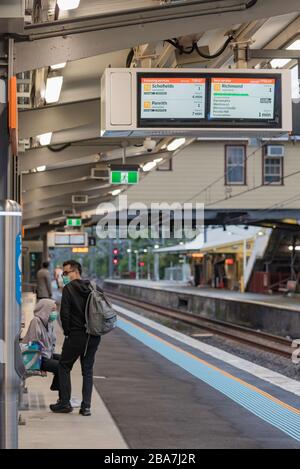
44, 288
77, 342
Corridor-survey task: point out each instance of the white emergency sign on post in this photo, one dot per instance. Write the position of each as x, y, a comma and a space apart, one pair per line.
296, 353
2, 351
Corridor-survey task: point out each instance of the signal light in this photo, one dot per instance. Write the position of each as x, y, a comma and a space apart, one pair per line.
115, 261
115, 251
229, 261
141, 264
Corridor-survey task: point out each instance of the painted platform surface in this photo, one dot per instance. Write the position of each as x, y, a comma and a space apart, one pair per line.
165, 392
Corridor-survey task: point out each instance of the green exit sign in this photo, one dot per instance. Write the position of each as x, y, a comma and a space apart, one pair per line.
73, 221
124, 177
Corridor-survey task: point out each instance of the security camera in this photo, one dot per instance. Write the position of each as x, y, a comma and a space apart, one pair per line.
149, 144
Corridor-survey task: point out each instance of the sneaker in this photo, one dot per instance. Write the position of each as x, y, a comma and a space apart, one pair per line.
75, 403
85, 412
61, 408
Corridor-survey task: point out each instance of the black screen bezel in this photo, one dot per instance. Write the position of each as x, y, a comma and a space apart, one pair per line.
206, 122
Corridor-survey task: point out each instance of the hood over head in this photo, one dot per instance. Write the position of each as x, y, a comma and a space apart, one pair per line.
43, 309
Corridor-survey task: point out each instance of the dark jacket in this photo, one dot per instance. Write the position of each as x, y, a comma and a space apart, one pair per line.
73, 302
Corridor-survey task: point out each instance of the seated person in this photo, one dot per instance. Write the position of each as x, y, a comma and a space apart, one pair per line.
41, 330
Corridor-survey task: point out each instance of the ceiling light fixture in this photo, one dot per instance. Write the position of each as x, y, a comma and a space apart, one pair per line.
58, 66
40, 169
178, 142
44, 139
297, 248
116, 192
68, 4
279, 63
53, 89
149, 166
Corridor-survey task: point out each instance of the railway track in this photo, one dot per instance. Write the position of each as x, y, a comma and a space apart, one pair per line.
264, 341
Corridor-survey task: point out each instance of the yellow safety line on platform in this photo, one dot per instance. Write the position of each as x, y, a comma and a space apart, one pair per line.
250, 386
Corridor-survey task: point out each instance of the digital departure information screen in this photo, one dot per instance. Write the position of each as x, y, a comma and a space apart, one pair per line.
68, 239
77, 239
242, 98
62, 239
179, 98
206, 99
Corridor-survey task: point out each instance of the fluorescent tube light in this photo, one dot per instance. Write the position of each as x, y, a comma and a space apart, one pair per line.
116, 192
176, 144
149, 166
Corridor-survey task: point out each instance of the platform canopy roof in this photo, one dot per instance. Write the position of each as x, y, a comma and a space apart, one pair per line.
115, 33
216, 238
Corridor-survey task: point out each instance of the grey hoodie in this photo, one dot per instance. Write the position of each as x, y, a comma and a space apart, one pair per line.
39, 327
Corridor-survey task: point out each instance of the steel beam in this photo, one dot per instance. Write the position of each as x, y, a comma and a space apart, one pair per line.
44, 193
38, 121
38, 231
139, 29
244, 33
273, 54
281, 39
40, 216
65, 200
56, 176
77, 134
35, 213
44, 156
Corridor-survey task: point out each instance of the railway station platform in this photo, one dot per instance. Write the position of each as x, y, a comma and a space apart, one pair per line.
41, 429
275, 314
157, 388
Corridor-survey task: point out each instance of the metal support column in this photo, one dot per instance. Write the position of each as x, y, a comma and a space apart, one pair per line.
110, 259
240, 50
11, 365
4, 134
156, 266
129, 255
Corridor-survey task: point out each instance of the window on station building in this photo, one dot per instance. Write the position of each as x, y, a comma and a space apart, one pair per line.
165, 166
235, 165
272, 170
295, 83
